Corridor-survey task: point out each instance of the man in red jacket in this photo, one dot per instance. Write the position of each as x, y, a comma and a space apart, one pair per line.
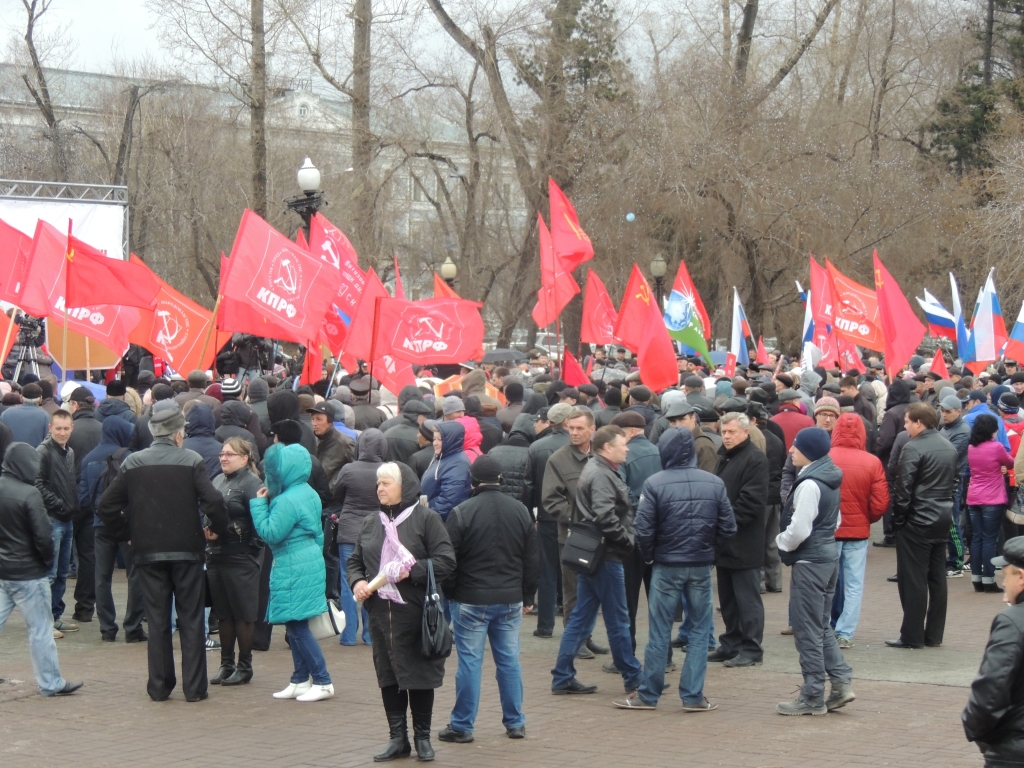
863, 499
791, 416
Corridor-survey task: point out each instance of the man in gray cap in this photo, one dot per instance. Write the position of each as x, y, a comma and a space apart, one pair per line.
994, 715
367, 417
170, 509
453, 408
693, 386
955, 429
684, 415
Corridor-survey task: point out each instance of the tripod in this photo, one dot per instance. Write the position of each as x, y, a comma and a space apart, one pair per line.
27, 355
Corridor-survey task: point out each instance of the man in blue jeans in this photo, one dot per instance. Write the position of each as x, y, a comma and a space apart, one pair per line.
602, 499
26, 554
496, 573
683, 513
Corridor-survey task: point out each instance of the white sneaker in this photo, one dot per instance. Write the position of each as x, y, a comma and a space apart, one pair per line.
294, 690
317, 693
57, 634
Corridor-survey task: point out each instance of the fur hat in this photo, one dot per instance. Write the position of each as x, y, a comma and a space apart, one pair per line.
166, 418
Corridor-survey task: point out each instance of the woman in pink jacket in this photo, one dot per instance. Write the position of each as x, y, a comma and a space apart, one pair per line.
986, 499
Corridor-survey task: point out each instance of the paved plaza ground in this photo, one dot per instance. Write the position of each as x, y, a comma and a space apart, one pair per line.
907, 711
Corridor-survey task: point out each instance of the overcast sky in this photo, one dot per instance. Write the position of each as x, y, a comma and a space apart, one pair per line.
98, 30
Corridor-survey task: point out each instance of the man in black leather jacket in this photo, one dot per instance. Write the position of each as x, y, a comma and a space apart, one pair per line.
994, 715
922, 510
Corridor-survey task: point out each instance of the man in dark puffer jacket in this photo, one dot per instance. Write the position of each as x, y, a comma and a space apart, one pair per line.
514, 457
402, 437
684, 513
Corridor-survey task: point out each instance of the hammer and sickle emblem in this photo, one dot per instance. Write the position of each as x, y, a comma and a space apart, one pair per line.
878, 278
578, 232
644, 295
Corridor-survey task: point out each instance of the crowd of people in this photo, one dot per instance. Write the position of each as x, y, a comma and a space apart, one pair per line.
266, 500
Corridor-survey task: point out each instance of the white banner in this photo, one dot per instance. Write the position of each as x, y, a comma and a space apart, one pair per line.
101, 225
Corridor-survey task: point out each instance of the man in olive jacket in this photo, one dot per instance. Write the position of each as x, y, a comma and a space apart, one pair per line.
744, 470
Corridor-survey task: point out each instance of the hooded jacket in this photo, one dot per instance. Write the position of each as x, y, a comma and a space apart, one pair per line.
684, 514
864, 494
490, 428
892, 422
355, 487
808, 390
405, 394
288, 520
85, 436
514, 457
472, 439
26, 543
541, 449
199, 437
401, 437
258, 393
809, 519
475, 383
284, 405
744, 470
113, 407
603, 498
791, 419
234, 420
117, 434
922, 495
446, 481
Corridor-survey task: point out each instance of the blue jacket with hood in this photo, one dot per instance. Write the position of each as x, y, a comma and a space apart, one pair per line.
199, 437
117, 433
684, 512
446, 481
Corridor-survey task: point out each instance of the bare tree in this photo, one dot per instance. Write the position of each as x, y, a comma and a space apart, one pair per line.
36, 82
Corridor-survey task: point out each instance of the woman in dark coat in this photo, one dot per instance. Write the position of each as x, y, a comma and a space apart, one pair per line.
405, 677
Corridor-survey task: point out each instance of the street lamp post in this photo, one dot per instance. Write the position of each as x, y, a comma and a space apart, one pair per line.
658, 269
449, 271
308, 203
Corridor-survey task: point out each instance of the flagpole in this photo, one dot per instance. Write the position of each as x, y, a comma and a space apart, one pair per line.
373, 341
88, 372
558, 343
209, 331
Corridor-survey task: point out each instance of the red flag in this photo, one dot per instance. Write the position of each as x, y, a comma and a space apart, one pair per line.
572, 372
901, 329
442, 290
329, 241
94, 278
399, 290
822, 302
334, 331
241, 317
850, 356
433, 331
300, 239
657, 354
293, 286
762, 353
730, 365
939, 365
360, 333
16, 248
633, 311
43, 294
176, 329
556, 285
570, 242
599, 315
313, 363
857, 316
684, 285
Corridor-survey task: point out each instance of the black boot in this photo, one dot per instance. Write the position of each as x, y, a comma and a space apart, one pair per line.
421, 735
227, 668
399, 744
241, 675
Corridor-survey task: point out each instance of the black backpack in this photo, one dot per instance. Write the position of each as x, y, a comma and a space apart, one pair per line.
109, 473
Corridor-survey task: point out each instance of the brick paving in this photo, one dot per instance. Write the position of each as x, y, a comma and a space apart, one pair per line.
907, 712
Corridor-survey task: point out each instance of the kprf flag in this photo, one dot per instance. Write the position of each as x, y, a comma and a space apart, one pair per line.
557, 286
1015, 344
740, 330
442, 290
570, 243
963, 335
857, 316
290, 284
389, 370
428, 332
941, 324
599, 315
93, 278
684, 285
572, 372
241, 316
335, 249
988, 332
902, 331
43, 294
850, 357
822, 301
15, 247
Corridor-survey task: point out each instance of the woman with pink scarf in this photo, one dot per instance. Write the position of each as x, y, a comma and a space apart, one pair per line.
392, 550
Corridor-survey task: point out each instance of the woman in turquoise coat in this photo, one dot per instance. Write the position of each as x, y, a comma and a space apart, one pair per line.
286, 515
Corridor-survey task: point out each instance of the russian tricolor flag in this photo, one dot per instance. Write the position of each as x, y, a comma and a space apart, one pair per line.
740, 331
805, 297
940, 322
988, 332
1015, 345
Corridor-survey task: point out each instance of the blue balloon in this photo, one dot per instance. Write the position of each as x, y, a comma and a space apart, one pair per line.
630, 216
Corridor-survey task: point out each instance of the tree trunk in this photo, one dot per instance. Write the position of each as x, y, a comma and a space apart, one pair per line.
362, 136
990, 14
743, 42
875, 119
727, 33
124, 147
41, 94
258, 109
858, 25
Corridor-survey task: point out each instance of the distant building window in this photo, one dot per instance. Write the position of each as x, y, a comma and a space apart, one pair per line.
303, 110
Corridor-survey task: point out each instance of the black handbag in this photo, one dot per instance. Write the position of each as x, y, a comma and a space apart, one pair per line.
584, 548
436, 639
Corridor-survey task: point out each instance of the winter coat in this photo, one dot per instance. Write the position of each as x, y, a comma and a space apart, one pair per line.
603, 498
744, 470
85, 436
284, 405
490, 431
959, 434
354, 488
775, 450
366, 416
648, 411
28, 422
495, 545
401, 438
706, 448
604, 417
238, 489
922, 495
56, 480
288, 520
892, 424
473, 438
252, 424
684, 514
514, 457
158, 501
808, 389
396, 628
1001, 436
642, 461
474, 383
405, 394
791, 420
548, 441
234, 418
420, 460
197, 394
26, 542
114, 407
446, 481
561, 480
994, 715
864, 494
117, 435
199, 437
507, 415
6, 438
335, 450
863, 407
987, 485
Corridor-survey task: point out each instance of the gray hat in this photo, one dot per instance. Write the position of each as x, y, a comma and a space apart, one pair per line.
946, 392
559, 412
678, 410
1013, 553
166, 418
417, 407
360, 386
452, 405
950, 403
788, 394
